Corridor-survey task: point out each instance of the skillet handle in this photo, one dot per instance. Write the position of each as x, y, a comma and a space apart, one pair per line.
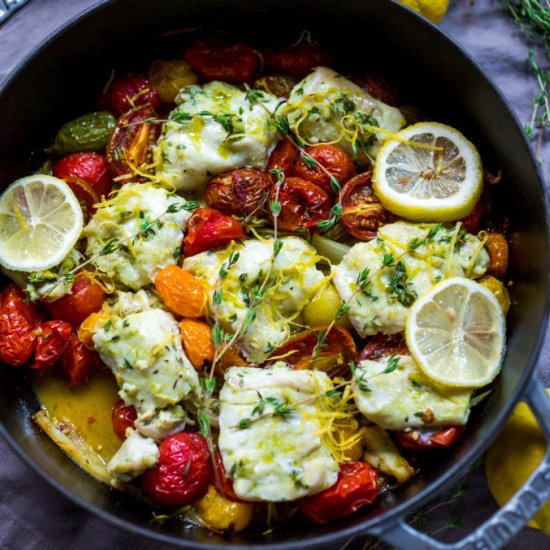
512, 517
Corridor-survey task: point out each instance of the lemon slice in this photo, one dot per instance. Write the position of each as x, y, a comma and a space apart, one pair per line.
456, 333
428, 172
40, 221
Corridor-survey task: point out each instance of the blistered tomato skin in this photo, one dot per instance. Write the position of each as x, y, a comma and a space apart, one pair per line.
214, 59
181, 292
356, 487
283, 158
240, 192
303, 204
418, 441
86, 298
335, 161
133, 90
122, 417
91, 167
209, 229
183, 472
18, 323
78, 362
223, 484
53, 339
382, 346
297, 60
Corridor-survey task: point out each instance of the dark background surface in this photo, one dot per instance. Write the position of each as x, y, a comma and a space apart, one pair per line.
33, 515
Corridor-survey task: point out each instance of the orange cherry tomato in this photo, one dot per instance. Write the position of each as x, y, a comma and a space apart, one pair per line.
239, 192
336, 162
122, 417
197, 342
298, 60
334, 355
384, 345
86, 330
303, 204
53, 339
356, 487
19, 320
223, 484
417, 441
283, 158
214, 59
78, 362
231, 358
182, 293
86, 297
362, 213
209, 229
497, 247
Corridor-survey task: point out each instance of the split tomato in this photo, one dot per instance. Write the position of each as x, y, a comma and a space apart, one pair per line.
53, 339
418, 441
384, 345
363, 214
122, 417
209, 229
283, 158
19, 320
183, 472
356, 487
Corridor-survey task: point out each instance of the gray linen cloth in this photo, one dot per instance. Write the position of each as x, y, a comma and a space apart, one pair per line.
35, 517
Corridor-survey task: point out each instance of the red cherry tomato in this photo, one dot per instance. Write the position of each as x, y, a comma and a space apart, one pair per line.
334, 356
133, 90
214, 59
132, 142
18, 323
417, 441
283, 158
472, 222
91, 167
335, 161
122, 417
383, 345
53, 339
86, 297
78, 362
356, 487
297, 60
363, 214
85, 195
303, 204
209, 229
375, 85
183, 472
240, 192
223, 484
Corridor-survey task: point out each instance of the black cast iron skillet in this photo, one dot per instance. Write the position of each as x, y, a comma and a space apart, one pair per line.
63, 78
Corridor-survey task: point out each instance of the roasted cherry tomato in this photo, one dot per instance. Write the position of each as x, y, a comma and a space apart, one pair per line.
497, 247
333, 356
239, 192
209, 229
86, 297
132, 142
78, 362
223, 484
53, 339
169, 77
356, 487
196, 337
375, 85
18, 322
123, 417
181, 292
214, 59
297, 61
472, 221
283, 158
183, 472
363, 214
133, 90
85, 194
384, 345
91, 167
276, 84
303, 204
335, 161
417, 441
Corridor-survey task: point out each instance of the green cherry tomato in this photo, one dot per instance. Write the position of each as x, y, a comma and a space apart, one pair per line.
89, 132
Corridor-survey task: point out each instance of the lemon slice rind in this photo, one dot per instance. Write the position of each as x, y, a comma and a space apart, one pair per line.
40, 222
456, 332
404, 167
